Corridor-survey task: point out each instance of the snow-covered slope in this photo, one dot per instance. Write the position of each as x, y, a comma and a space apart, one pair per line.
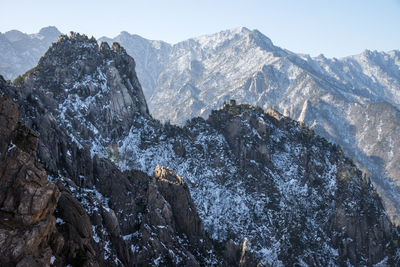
334, 96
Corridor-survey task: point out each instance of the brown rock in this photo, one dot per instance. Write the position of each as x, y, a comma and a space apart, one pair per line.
27, 198
175, 191
73, 213
111, 222
26, 139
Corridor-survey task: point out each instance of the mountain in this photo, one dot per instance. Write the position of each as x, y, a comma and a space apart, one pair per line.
99, 215
244, 186
353, 101
21, 52
338, 98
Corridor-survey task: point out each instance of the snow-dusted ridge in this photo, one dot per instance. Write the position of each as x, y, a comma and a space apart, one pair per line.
334, 96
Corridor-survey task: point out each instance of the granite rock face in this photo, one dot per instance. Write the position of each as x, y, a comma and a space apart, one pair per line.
27, 198
31, 235
43, 223
351, 213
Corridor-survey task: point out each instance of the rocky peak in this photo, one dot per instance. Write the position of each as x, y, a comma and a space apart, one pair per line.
234, 38
82, 79
243, 30
264, 42
73, 51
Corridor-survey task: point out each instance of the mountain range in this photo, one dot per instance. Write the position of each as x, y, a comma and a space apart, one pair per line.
352, 101
83, 183
291, 197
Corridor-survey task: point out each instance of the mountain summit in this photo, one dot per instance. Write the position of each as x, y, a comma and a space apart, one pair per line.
93, 88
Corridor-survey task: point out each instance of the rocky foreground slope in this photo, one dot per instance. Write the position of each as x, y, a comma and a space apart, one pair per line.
255, 178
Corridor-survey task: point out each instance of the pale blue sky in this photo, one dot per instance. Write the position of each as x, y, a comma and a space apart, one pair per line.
334, 28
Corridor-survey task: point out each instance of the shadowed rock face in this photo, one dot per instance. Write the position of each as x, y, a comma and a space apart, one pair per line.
28, 201
176, 192
27, 198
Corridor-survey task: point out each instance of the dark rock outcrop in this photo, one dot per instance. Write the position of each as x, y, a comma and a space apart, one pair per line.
356, 224
27, 198
30, 235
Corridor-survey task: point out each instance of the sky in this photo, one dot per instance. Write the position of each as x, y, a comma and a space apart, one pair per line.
335, 28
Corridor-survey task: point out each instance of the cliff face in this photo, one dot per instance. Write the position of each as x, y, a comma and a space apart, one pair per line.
27, 198
254, 177
31, 235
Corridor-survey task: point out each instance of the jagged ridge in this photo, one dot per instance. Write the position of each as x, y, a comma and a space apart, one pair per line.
195, 76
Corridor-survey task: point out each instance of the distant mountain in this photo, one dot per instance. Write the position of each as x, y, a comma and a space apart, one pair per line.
249, 184
21, 52
353, 101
